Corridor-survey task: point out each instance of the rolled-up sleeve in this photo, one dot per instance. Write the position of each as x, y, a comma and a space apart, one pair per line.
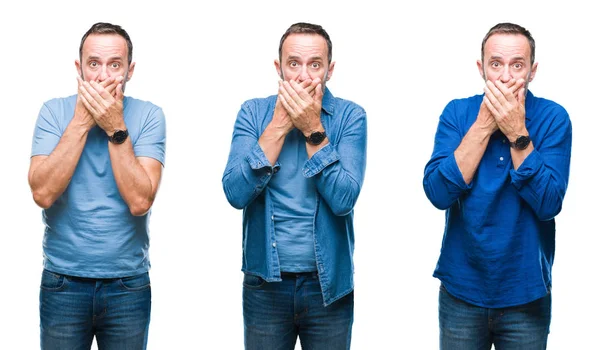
542, 178
248, 170
339, 168
443, 182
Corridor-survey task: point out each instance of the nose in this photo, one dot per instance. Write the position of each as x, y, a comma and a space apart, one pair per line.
303, 74
506, 76
103, 74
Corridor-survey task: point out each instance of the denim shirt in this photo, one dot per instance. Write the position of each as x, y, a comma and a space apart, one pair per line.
338, 169
498, 246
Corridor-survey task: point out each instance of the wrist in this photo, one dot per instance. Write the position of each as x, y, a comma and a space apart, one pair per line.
515, 135
312, 129
110, 131
276, 131
486, 129
82, 124
316, 137
520, 143
118, 136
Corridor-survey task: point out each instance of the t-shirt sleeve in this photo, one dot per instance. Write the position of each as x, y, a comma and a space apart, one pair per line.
47, 133
153, 137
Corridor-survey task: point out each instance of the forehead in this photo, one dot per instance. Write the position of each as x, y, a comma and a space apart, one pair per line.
304, 45
507, 45
104, 45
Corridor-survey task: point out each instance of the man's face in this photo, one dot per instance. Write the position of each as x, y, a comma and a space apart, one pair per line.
506, 57
304, 56
104, 56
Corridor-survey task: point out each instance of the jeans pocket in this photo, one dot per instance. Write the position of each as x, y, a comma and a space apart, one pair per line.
135, 283
52, 282
253, 282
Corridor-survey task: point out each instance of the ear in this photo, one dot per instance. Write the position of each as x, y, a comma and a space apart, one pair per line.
130, 72
330, 71
480, 67
278, 68
78, 68
533, 71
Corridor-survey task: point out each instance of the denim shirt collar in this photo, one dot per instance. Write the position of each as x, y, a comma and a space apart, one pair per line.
328, 102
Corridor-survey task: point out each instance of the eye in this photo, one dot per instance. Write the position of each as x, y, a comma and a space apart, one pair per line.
518, 65
115, 65
316, 65
293, 64
495, 64
93, 64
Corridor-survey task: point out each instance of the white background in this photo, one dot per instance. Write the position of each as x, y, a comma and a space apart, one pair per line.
402, 63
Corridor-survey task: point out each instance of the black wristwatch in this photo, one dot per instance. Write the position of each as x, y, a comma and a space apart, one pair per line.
520, 143
315, 138
119, 136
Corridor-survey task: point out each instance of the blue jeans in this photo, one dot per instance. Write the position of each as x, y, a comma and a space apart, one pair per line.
277, 313
73, 310
464, 326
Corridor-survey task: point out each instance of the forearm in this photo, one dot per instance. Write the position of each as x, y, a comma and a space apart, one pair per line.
312, 149
49, 176
246, 174
133, 182
470, 151
518, 156
542, 182
338, 188
271, 142
339, 169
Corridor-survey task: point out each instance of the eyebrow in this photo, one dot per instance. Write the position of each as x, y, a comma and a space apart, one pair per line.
517, 58
313, 58
97, 58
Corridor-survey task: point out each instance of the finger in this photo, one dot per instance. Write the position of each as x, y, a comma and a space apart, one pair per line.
101, 95
505, 91
494, 94
305, 96
510, 83
319, 93
521, 96
306, 83
313, 86
490, 106
516, 86
286, 105
86, 103
111, 87
120, 92
297, 93
88, 93
107, 82
284, 91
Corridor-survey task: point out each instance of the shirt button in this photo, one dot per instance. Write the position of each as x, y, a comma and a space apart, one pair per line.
272, 217
268, 171
501, 159
503, 140
274, 245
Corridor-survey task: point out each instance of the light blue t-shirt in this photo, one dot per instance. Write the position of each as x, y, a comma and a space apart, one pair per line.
294, 206
89, 229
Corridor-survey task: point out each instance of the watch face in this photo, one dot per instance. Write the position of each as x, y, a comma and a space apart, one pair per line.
316, 138
522, 142
119, 136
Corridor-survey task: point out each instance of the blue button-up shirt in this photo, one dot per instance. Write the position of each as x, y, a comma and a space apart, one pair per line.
338, 170
498, 245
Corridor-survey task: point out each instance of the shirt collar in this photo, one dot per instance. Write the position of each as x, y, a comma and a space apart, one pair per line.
328, 102
529, 103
